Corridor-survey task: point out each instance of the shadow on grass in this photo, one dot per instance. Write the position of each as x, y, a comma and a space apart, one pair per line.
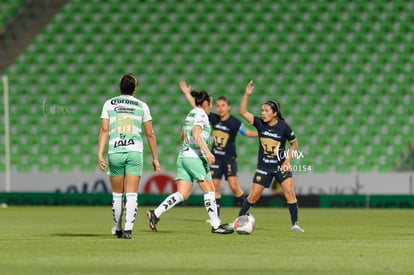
80, 235
191, 220
106, 236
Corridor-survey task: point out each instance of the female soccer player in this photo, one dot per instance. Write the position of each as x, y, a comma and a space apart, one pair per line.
225, 130
123, 118
193, 163
273, 159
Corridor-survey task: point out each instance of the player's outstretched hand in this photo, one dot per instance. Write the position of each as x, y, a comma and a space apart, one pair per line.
184, 88
249, 88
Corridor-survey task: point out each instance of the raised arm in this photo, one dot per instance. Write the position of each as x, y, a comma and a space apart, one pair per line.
187, 92
243, 105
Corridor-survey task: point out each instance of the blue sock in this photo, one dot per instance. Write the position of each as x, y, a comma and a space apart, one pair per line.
293, 210
245, 207
239, 200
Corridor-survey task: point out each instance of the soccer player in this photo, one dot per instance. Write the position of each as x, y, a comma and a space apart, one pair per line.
193, 164
273, 159
225, 130
123, 118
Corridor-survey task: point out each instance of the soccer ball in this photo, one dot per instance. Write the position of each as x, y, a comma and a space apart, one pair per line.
244, 224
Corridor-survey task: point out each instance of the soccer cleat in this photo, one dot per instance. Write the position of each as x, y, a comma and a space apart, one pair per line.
127, 234
152, 220
222, 230
229, 225
118, 233
297, 228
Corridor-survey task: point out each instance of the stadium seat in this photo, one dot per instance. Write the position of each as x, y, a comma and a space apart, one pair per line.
339, 79
8, 8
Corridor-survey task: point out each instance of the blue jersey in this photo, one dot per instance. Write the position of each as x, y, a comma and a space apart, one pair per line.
272, 142
224, 133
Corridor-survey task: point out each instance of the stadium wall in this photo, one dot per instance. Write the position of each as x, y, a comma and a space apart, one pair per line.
105, 199
365, 190
401, 183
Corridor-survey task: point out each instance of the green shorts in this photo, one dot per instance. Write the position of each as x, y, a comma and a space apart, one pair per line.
125, 163
192, 169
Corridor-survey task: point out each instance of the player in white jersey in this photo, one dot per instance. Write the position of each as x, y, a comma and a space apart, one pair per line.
225, 128
193, 164
123, 119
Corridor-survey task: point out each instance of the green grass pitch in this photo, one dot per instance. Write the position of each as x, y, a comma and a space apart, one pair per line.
77, 240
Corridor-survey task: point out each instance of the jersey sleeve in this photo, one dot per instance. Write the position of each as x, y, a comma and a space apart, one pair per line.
290, 135
105, 110
239, 126
200, 119
236, 122
147, 113
257, 123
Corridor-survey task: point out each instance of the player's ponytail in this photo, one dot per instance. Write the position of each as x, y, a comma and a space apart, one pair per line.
200, 97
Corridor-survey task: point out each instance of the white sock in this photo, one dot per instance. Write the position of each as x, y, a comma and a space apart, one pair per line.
130, 210
211, 207
171, 201
117, 210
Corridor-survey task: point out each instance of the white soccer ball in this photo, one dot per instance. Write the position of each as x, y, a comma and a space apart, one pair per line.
244, 224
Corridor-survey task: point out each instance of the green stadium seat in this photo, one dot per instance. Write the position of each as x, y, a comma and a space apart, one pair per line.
334, 72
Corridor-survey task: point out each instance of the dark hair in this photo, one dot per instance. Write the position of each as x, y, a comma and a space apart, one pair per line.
128, 84
200, 97
275, 107
225, 99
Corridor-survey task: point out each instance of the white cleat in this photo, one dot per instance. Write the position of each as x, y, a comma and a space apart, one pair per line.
297, 228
